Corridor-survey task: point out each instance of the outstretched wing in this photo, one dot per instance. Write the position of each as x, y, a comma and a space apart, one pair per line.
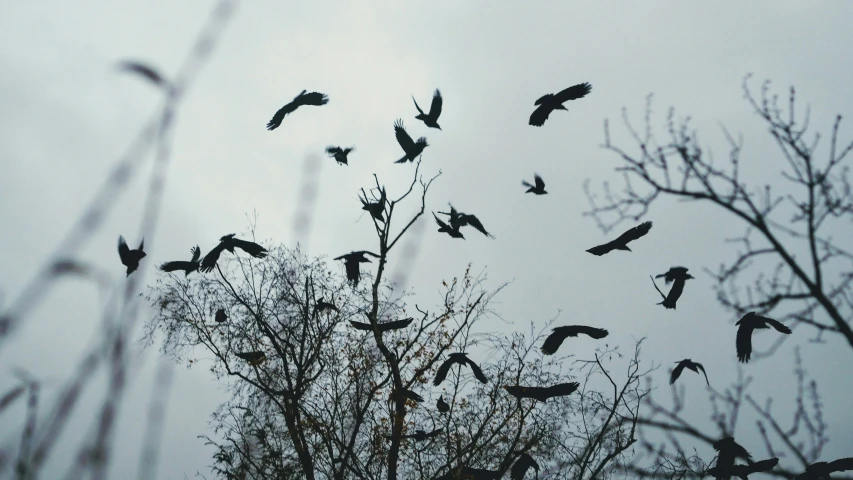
441, 374
123, 250
553, 342
416, 105
177, 265
543, 98
474, 222
841, 465
331, 150
676, 372
538, 117
435, 108
442, 227
476, 370
539, 182
573, 93
196, 254
211, 258
700, 367
596, 333
634, 233
521, 466
561, 389
314, 98
396, 325
143, 70
776, 324
403, 138
251, 248
602, 249
276, 120
743, 342
360, 325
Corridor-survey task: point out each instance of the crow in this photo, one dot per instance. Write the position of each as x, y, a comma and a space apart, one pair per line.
408, 394
187, 267
410, 147
621, 243
339, 154
690, 365
553, 342
431, 119
130, 258
459, 220
220, 316
539, 189
383, 327
441, 405
374, 208
254, 358
351, 263
324, 305
443, 227
748, 323
228, 242
522, 465
144, 70
419, 435
542, 393
313, 98
821, 470
729, 451
461, 359
677, 275
743, 471
550, 102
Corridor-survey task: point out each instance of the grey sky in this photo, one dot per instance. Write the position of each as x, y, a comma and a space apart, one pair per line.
67, 115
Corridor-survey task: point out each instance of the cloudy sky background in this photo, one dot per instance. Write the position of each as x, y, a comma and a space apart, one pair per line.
67, 115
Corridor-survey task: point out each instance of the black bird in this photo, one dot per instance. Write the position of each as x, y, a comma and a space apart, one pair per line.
621, 243
254, 358
743, 471
410, 147
522, 465
324, 305
550, 102
678, 276
690, 365
542, 393
408, 394
144, 70
228, 242
352, 261
538, 189
187, 267
374, 208
459, 220
822, 470
339, 154
443, 227
313, 98
461, 359
220, 316
130, 258
729, 450
420, 435
748, 323
553, 342
431, 119
441, 405
468, 473
383, 327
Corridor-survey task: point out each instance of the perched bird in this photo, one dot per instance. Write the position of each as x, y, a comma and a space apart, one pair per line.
324, 305
459, 220
420, 435
748, 323
621, 243
522, 465
339, 154
821, 470
409, 146
743, 471
374, 208
443, 227
130, 258
553, 342
441, 405
408, 394
352, 261
678, 276
461, 359
729, 450
538, 189
383, 327
542, 393
228, 242
144, 70
313, 98
220, 316
431, 119
690, 365
254, 358
187, 267
550, 102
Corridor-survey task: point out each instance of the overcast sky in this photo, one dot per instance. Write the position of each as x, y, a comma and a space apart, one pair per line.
67, 115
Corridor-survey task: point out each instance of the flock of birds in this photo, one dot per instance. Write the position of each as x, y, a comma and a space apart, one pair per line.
728, 449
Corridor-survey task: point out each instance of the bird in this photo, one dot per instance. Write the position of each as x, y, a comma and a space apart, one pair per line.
621, 243
374, 208
459, 220
558, 334
748, 323
339, 154
411, 148
678, 276
542, 394
441, 405
554, 101
822, 470
144, 70
220, 316
443, 227
744, 471
468, 473
324, 305
538, 189
461, 359
352, 261
408, 394
690, 365
254, 358
420, 435
187, 267
228, 242
383, 327
430, 119
130, 258
522, 465
314, 98
729, 450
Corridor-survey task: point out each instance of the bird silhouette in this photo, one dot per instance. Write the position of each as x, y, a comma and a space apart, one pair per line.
254, 358
748, 323
431, 119
538, 189
678, 276
374, 208
461, 359
522, 465
419, 435
729, 450
441, 405
130, 258
220, 316
143, 70
228, 242
551, 101
822, 470
314, 98
690, 365
458, 220
187, 267
468, 473
339, 154
621, 243
542, 394
443, 227
558, 334
407, 394
352, 261
322, 305
411, 148
383, 327
744, 471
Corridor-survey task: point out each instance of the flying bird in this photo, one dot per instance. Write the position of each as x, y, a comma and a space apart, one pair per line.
383, 327
441, 405
748, 323
678, 276
187, 267
313, 98
254, 358
143, 70
443, 227
419, 435
374, 208
220, 316
228, 242
822, 470
339, 154
411, 148
431, 119
553, 342
459, 220
621, 243
690, 365
352, 261
522, 465
461, 359
550, 102
744, 471
324, 305
538, 189
542, 394
130, 258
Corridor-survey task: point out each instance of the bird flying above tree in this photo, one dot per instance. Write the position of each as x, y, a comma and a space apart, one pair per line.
187, 267
748, 323
690, 365
459, 220
384, 326
314, 98
461, 359
542, 394
554, 101
228, 242
558, 334
130, 258
339, 154
411, 148
538, 189
352, 261
678, 276
621, 243
430, 119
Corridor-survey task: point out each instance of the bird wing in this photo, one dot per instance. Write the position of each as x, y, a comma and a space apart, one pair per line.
777, 325
276, 120
474, 222
196, 254
211, 258
403, 138
553, 342
539, 182
538, 117
526, 184
176, 265
700, 367
441, 374
656, 286
841, 465
443, 227
476, 370
593, 332
517, 391
573, 93
144, 70
435, 108
363, 252
434, 433
635, 233
360, 325
561, 389
331, 150
123, 250
521, 466
251, 248
396, 325
676, 372
601, 249
414, 396
543, 98
743, 342
762, 465
315, 98
416, 105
